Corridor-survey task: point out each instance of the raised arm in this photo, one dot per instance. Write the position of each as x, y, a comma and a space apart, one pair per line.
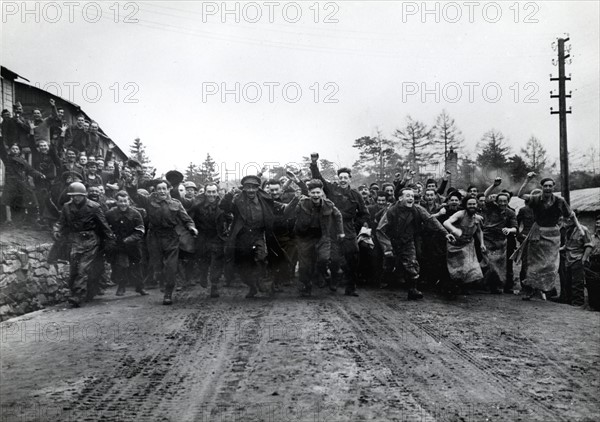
401, 184
490, 189
444, 184
54, 157
530, 176
294, 178
316, 174
54, 109
140, 200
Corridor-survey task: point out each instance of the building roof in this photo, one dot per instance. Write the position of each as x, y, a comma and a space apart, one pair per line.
9, 74
582, 200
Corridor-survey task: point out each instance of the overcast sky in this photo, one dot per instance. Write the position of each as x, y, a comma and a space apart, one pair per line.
357, 68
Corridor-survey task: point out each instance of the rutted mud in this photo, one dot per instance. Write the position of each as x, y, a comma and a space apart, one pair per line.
326, 358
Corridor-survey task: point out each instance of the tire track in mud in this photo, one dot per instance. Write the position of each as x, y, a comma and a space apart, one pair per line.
383, 387
313, 369
216, 392
164, 382
371, 324
528, 357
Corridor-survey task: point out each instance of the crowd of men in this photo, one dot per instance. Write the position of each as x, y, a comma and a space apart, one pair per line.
167, 233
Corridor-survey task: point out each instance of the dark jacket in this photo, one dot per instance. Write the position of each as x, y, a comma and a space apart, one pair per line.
77, 138
211, 221
237, 205
87, 217
48, 164
400, 224
128, 226
330, 218
348, 201
162, 214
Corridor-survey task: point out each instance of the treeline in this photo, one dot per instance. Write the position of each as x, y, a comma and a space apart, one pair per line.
425, 149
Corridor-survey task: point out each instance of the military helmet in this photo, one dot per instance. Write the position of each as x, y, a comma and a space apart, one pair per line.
190, 184
77, 188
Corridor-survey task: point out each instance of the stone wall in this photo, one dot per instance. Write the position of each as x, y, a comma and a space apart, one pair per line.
27, 281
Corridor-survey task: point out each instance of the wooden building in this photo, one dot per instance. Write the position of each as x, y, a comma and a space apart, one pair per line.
16, 89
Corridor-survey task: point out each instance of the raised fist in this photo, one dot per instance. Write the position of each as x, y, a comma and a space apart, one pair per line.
497, 181
314, 157
531, 175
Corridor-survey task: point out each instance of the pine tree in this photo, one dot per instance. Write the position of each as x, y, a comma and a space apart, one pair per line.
494, 150
138, 151
208, 170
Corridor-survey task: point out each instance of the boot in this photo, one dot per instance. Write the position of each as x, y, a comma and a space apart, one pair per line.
252, 293
305, 291
323, 277
142, 292
333, 281
214, 292
74, 301
120, 290
167, 300
414, 294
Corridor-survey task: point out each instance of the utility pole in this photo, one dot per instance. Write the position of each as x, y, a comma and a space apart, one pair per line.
562, 114
381, 176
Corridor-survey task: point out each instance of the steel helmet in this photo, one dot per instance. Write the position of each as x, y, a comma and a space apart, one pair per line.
190, 185
77, 188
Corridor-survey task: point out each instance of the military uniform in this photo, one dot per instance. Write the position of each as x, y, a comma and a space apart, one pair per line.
85, 225
212, 224
252, 226
125, 253
313, 228
163, 241
344, 253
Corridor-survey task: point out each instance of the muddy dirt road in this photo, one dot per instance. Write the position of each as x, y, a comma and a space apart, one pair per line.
326, 358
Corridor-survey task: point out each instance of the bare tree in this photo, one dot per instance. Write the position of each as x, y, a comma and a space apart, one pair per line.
447, 135
416, 139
